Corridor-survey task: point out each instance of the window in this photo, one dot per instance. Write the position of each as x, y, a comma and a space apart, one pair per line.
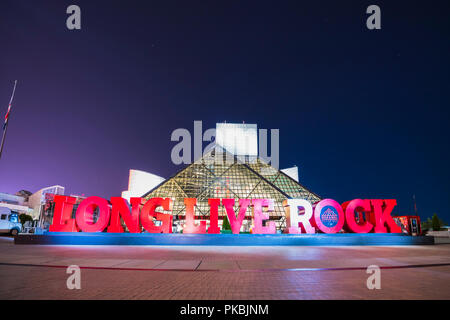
4, 216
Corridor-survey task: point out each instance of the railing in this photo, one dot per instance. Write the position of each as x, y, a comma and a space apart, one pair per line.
443, 234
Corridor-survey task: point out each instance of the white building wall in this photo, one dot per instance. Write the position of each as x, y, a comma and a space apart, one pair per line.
240, 139
17, 208
140, 182
38, 198
291, 172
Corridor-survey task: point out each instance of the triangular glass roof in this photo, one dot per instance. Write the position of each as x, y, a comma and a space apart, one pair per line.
222, 175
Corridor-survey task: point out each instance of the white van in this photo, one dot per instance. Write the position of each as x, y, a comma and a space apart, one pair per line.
9, 222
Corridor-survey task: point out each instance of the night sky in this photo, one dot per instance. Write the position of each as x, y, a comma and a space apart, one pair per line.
364, 114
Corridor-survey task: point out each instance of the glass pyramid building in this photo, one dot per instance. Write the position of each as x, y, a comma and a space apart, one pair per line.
215, 176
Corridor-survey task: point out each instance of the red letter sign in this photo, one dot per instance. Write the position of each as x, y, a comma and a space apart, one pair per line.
148, 213
236, 223
190, 226
214, 215
350, 209
329, 216
294, 218
383, 216
85, 214
62, 215
259, 216
120, 208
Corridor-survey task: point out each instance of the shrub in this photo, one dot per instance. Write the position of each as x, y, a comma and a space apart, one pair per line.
24, 218
426, 224
226, 224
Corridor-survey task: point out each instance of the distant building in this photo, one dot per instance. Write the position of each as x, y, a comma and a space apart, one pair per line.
291, 172
24, 194
240, 139
39, 205
16, 204
37, 199
48, 208
139, 182
232, 170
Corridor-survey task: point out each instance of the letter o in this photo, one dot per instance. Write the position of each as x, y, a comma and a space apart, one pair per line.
84, 216
329, 216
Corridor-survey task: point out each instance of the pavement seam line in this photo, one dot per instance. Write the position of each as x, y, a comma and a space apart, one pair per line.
229, 270
198, 265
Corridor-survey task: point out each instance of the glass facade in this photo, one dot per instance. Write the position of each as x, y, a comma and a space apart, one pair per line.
215, 176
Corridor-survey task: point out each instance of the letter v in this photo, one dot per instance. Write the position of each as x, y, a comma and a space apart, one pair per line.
235, 223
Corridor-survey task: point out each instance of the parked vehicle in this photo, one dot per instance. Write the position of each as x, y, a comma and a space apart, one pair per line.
9, 222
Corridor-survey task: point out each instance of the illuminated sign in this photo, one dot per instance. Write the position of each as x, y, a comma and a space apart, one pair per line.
95, 214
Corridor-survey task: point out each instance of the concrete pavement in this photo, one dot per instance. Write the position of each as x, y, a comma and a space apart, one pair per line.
194, 272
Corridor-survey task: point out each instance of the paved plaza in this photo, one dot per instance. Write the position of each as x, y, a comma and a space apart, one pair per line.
195, 272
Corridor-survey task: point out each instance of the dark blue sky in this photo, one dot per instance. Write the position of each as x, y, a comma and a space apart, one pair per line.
364, 114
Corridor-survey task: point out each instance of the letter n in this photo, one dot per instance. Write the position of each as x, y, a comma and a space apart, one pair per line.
120, 208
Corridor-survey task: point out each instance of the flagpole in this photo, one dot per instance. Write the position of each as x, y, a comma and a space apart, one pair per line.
3, 139
7, 119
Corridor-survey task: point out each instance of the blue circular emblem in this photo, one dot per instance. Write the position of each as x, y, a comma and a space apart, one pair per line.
329, 216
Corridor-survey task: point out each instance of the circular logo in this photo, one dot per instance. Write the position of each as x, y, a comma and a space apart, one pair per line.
329, 216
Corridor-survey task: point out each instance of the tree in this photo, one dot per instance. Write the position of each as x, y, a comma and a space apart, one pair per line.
24, 218
226, 224
426, 224
435, 223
